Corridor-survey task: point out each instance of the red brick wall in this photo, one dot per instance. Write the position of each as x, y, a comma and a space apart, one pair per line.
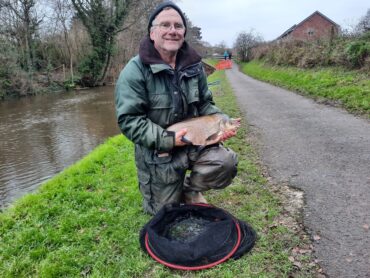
314, 28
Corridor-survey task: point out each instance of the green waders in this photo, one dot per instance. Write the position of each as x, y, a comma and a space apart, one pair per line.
163, 177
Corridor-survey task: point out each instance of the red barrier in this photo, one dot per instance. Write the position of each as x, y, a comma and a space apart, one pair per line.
224, 64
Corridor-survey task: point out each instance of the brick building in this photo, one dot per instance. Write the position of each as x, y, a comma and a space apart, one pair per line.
316, 26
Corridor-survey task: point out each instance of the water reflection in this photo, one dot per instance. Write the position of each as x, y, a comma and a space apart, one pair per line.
41, 135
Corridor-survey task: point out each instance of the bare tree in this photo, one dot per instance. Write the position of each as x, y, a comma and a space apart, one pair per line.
194, 37
63, 11
244, 43
20, 23
221, 45
364, 23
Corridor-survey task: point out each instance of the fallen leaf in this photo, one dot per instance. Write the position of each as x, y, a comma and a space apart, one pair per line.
304, 251
316, 237
366, 227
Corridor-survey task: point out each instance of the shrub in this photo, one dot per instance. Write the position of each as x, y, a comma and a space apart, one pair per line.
337, 55
357, 52
345, 51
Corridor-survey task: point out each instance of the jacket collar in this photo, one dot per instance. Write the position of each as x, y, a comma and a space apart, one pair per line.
186, 56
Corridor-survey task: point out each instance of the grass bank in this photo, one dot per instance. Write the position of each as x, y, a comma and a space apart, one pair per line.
85, 222
335, 86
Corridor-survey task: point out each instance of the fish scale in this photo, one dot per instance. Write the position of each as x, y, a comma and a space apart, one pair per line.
201, 131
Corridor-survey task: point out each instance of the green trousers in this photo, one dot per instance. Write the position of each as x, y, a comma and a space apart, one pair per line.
163, 178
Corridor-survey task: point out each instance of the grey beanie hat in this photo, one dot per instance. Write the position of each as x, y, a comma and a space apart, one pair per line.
160, 8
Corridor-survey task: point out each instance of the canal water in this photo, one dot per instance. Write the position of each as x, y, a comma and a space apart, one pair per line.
42, 135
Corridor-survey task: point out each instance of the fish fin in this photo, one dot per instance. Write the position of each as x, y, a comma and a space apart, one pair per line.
212, 137
187, 141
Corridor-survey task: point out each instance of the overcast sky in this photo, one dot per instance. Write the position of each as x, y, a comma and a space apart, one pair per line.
223, 20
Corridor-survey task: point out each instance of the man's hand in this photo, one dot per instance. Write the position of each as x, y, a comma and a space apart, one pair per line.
178, 137
228, 134
231, 133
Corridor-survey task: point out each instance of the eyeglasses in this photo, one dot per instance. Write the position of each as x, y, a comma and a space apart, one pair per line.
166, 26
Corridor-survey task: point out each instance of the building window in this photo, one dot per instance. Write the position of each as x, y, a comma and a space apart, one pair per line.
310, 32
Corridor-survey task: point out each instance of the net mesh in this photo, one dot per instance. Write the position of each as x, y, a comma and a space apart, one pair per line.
195, 236
188, 228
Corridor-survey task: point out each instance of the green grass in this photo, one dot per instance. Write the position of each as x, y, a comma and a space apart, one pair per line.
211, 61
348, 89
85, 222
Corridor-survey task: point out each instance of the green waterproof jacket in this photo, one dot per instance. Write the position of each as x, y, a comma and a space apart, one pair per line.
150, 95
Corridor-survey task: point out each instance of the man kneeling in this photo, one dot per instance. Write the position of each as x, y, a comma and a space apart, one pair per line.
165, 84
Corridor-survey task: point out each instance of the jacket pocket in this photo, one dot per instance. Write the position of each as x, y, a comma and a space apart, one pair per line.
160, 109
153, 158
160, 101
165, 169
192, 94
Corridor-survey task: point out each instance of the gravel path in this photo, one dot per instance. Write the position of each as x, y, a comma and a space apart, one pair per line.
325, 152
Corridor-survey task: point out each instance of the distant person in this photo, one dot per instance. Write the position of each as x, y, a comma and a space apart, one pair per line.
163, 85
230, 55
226, 55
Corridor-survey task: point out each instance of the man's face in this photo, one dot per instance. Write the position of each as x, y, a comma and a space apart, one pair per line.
167, 39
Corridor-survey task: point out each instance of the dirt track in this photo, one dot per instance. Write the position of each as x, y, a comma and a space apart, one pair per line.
325, 152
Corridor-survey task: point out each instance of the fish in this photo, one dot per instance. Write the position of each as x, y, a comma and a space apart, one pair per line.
203, 130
